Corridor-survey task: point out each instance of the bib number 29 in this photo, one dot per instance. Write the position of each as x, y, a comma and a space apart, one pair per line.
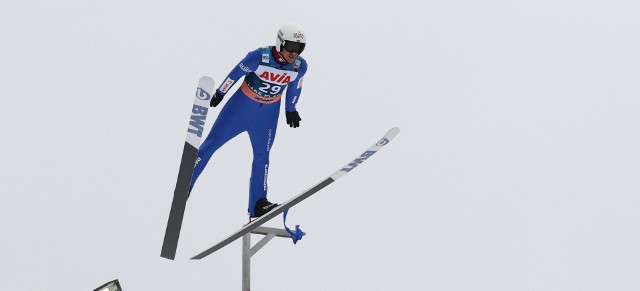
270, 89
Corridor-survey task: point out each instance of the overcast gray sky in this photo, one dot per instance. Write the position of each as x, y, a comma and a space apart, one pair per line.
516, 166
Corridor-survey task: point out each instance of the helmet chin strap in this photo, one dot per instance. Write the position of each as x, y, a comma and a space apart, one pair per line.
279, 57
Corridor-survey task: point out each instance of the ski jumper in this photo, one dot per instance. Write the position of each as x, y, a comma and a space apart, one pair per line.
255, 109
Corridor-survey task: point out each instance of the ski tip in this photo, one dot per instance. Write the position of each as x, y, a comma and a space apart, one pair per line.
206, 78
393, 132
207, 84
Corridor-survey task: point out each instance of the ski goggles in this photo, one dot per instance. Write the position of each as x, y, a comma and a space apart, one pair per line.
293, 47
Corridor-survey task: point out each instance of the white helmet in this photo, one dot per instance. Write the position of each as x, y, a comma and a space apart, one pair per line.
292, 38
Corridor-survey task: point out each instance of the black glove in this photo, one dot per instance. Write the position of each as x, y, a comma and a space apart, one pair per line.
293, 118
216, 99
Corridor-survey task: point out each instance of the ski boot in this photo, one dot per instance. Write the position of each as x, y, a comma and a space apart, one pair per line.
262, 207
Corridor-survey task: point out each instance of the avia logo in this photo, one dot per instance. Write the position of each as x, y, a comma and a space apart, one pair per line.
277, 78
198, 117
202, 94
358, 161
298, 35
382, 142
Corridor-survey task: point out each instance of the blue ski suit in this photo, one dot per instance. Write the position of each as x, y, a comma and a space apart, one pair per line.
255, 109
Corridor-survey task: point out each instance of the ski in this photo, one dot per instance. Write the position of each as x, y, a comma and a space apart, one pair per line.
189, 155
302, 196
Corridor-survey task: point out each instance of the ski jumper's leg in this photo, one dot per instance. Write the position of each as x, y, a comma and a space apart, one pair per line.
234, 118
262, 132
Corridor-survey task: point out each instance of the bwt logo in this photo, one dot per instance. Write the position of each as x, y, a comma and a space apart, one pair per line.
202, 94
382, 142
358, 161
198, 116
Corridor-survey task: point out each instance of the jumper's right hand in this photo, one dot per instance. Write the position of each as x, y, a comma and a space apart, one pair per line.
216, 99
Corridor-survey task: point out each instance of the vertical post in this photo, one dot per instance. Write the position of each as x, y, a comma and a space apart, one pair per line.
246, 261
248, 251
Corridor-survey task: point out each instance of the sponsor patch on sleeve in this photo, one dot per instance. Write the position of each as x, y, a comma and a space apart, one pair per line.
300, 83
265, 58
226, 85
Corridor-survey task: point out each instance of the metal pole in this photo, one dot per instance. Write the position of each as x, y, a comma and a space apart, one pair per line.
246, 262
248, 251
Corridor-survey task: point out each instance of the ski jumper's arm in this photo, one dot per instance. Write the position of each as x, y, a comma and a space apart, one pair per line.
247, 65
295, 88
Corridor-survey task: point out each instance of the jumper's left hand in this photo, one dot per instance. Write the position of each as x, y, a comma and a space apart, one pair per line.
293, 118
